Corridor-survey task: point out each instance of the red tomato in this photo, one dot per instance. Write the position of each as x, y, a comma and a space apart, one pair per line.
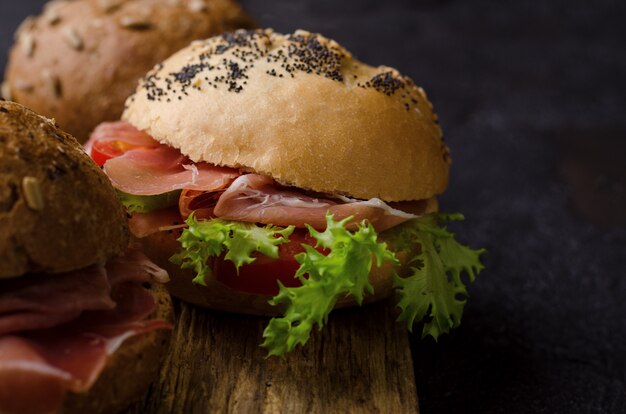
102, 151
260, 276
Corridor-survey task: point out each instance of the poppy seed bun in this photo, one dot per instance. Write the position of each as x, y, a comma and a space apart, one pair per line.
130, 370
298, 108
79, 60
58, 211
159, 247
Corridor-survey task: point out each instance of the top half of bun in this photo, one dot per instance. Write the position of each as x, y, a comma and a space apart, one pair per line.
79, 60
299, 108
58, 211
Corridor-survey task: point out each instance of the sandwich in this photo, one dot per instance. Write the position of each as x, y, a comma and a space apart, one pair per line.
276, 174
95, 51
84, 320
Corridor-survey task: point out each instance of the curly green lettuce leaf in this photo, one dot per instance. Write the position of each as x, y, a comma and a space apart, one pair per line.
344, 270
434, 291
205, 239
144, 204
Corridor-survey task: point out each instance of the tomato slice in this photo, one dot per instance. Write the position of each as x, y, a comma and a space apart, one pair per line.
260, 277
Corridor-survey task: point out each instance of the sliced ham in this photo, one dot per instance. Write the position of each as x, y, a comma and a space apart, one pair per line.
82, 289
258, 199
120, 131
38, 366
145, 224
48, 363
134, 266
201, 203
147, 167
150, 171
384, 216
27, 303
209, 191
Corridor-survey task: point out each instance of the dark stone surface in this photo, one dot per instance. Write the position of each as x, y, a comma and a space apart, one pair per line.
532, 97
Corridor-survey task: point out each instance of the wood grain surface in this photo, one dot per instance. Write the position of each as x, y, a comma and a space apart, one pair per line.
361, 362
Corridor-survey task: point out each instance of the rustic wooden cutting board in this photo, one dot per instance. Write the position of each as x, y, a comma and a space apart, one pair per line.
361, 362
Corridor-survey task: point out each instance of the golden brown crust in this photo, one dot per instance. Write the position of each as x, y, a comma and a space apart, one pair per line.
80, 60
58, 211
299, 108
130, 370
159, 247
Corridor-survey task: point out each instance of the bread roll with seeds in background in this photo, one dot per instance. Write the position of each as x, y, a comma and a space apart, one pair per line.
79, 60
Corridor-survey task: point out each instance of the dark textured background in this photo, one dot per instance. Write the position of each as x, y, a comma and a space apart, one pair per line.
532, 99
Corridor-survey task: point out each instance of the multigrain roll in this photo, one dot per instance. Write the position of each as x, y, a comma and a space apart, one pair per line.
276, 173
40, 167
79, 60
84, 320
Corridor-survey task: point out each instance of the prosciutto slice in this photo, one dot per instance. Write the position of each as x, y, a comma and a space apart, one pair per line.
120, 131
150, 171
145, 224
148, 167
26, 303
258, 199
37, 366
201, 203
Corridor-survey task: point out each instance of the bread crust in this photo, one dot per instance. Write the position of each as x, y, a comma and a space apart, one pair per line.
300, 109
58, 210
79, 60
159, 247
130, 370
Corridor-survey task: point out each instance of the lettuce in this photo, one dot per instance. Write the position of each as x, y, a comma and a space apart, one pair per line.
435, 291
205, 239
143, 204
343, 271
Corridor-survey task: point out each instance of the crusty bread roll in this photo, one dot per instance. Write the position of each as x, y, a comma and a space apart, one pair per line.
161, 246
300, 109
49, 222
132, 367
79, 60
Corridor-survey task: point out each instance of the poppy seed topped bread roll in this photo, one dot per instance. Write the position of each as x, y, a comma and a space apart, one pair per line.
79, 60
298, 108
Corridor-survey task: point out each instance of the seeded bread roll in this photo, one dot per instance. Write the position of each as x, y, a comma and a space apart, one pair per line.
79, 60
48, 220
133, 367
300, 109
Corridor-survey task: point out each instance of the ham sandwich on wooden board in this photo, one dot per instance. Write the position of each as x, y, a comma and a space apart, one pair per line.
83, 319
276, 174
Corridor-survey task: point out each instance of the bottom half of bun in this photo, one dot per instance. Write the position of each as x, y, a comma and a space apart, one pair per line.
159, 247
130, 370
